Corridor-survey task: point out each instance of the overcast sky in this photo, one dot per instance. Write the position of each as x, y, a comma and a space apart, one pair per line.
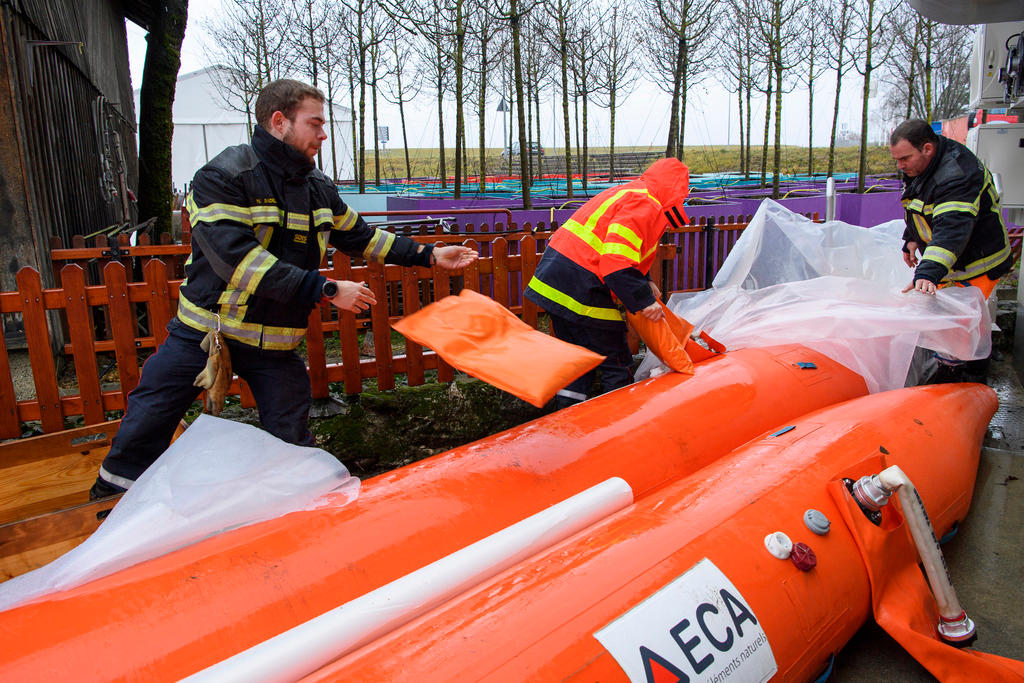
641, 120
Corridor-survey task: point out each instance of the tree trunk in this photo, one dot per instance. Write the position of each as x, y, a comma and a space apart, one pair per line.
685, 67
767, 123
442, 165
835, 122
862, 161
460, 123
564, 45
673, 116
517, 65
482, 103
156, 99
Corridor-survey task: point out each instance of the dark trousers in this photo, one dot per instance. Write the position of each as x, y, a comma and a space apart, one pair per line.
616, 369
278, 380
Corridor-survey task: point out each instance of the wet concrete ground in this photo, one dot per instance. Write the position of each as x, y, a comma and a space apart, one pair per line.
986, 560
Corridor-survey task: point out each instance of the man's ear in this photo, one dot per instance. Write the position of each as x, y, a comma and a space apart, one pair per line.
928, 149
277, 121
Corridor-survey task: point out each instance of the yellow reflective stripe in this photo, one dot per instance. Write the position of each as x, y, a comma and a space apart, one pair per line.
233, 298
298, 221
346, 221
923, 229
282, 338
913, 205
321, 216
585, 234
649, 253
321, 238
625, 233
596, 216
204, 321
250, 271
939, 255
220, 212
949, 207
263, 234
253, 334
598, 312
266, 214
982, 265
379, 246
623, 250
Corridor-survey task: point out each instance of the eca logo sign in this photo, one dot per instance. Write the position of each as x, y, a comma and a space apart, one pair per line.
697, 628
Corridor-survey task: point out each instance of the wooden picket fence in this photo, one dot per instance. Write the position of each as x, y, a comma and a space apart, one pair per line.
116, 315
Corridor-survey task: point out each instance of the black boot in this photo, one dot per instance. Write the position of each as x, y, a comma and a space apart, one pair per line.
103, 489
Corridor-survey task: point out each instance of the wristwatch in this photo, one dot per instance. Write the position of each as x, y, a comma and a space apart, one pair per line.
330, 289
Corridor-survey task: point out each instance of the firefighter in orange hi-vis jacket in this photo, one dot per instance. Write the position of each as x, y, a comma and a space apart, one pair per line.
598, 260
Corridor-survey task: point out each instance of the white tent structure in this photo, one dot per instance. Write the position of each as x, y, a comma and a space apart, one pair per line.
207, 119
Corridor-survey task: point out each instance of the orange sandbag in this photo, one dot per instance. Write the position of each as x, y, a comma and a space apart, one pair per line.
668, 339
483, 338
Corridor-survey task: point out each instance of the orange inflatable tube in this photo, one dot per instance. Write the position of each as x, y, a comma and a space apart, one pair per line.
681, 586
176, 614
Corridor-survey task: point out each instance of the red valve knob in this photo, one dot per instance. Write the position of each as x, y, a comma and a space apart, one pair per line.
803, 557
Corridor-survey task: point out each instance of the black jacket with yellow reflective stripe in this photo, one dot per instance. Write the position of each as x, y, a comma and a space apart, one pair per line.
953, 209
262, 217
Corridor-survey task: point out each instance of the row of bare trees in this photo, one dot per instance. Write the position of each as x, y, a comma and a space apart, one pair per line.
578, 54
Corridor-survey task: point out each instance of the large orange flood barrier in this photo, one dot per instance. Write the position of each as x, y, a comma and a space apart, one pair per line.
681, 586
174, 615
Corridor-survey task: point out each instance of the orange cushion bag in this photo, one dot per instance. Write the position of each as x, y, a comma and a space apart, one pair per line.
483, 338
668, 339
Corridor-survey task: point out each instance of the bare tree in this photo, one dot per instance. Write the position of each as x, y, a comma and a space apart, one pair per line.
561, 14
732, 74
690, 24
872, 24
584, 48
616, 65
838, 22
248, 39
515, 12
929, 67
308, 40
779, 27
481, 30
812, 45
366, 31
403, 89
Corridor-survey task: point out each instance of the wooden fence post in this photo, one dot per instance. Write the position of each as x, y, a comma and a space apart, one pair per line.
122, 324
38, 338
82, 345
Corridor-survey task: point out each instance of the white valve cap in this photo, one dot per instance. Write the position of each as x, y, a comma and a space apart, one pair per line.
778, 544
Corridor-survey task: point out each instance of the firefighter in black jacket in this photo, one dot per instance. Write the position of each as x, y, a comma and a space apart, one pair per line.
262, 218
952, 212
953, 218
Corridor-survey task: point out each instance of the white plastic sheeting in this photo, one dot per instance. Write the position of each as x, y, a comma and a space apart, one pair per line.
835, 288
218, 475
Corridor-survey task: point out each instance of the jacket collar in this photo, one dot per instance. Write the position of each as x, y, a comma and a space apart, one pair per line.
279, 156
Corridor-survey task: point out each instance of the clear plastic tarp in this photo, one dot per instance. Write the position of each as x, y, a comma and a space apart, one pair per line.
218, 475
836, 288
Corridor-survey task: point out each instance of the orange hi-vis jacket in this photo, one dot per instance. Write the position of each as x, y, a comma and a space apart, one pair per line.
606, 248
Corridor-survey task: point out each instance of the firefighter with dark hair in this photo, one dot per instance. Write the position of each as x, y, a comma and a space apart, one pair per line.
953, 218
262, 218
598, 260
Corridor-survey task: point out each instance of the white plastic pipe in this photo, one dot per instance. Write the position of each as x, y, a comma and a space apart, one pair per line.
307, 647
894, 479
830, 199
